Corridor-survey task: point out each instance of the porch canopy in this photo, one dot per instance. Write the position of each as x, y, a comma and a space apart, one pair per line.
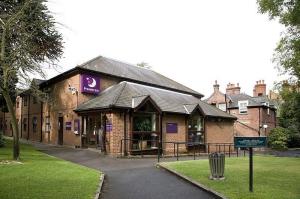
128, 95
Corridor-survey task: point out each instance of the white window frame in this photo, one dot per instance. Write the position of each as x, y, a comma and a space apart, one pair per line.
243, 109
222, 107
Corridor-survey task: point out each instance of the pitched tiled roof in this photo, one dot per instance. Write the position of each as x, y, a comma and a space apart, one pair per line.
129, 95
252, 101
133, 73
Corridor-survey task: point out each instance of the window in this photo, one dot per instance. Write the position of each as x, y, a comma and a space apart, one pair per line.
47, 127
195, 130
25, 124
243, 106
18, 104
144, 131
144, 122
25, 100
222, 106
34, 124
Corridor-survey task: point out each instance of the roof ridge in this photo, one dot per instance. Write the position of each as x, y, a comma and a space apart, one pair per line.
89, 61
121, 91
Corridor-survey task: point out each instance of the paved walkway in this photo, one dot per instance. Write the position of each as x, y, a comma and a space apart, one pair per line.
130, 178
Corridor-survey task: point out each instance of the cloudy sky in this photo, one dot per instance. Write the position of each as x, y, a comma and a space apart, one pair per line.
191, 41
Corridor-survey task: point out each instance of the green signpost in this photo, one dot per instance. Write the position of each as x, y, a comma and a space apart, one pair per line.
250, 142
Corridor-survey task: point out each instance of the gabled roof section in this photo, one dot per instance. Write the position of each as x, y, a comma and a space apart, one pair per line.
212, 111
144, 101
137, 100
252, 101
133, 73
123, 94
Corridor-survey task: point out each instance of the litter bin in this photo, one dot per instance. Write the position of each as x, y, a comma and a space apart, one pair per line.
217, 166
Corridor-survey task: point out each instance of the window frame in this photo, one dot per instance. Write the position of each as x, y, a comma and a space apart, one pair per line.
199, 131
243, 110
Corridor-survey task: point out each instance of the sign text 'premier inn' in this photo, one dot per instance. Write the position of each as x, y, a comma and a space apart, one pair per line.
89, 84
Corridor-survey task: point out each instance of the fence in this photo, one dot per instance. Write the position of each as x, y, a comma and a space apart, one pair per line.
179, 149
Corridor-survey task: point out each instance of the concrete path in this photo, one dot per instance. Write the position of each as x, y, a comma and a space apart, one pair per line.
129, 178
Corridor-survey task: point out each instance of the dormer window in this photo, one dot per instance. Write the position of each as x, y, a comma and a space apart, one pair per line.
222, 106
243, 106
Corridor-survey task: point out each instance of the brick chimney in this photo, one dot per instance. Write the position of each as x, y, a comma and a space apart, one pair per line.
259, 88
216, 86
233, 89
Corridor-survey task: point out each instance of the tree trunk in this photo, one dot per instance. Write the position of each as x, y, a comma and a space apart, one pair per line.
11, 109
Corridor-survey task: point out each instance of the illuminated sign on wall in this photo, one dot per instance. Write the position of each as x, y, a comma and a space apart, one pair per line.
90, 84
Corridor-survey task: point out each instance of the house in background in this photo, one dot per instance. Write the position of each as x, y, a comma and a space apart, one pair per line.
256, 114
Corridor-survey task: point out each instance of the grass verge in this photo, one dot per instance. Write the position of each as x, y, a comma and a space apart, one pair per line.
39, 175
274, 177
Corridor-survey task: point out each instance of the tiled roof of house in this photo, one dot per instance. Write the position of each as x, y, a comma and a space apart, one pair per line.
130, 95
133, 73
252, 101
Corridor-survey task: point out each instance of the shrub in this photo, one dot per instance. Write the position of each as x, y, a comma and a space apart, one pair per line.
278, 138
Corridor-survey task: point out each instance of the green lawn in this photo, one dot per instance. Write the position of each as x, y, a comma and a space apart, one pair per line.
274, 177
43, 176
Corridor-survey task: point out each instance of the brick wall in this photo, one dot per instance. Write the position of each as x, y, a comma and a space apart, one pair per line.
219, 132
255, 118
180, 136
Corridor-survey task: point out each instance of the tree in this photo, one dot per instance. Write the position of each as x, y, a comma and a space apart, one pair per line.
29, 39
278, 138
290, 114
287, 58
287, 53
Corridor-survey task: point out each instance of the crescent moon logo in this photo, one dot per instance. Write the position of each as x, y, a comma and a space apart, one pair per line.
91, 82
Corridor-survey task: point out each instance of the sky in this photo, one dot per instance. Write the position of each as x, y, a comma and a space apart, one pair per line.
193, 42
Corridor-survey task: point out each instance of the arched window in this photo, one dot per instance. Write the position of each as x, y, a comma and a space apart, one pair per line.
195, 130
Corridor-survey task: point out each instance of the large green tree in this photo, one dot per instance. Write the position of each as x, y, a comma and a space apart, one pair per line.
287, 53
287, 58
28, 41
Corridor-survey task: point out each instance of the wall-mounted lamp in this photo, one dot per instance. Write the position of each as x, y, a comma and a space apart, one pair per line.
73, 90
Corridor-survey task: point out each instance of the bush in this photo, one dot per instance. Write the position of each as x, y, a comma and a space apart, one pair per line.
2, 141
294, 140
278, 138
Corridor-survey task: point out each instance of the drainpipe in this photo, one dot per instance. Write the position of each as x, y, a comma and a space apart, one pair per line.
125, 133
161, 132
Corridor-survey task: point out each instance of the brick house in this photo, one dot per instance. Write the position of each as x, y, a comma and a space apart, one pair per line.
256, 114
119, 108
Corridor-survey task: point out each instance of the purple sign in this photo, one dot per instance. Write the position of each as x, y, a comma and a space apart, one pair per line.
108, 127
171, 127
68, 126
89, 84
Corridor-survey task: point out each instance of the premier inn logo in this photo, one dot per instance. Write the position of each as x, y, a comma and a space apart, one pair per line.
90, 84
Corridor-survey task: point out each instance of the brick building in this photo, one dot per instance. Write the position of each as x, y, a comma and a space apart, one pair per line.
256, 114
119, 108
